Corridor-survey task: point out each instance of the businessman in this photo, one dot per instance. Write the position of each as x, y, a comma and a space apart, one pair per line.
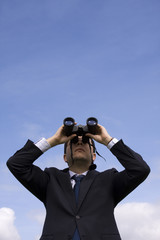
79, 200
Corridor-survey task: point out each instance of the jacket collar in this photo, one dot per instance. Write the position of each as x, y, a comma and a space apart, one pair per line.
65, 183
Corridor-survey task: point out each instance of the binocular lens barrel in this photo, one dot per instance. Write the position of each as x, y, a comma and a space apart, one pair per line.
69, 122
91, 121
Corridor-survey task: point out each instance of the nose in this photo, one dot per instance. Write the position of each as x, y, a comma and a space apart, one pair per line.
79, 140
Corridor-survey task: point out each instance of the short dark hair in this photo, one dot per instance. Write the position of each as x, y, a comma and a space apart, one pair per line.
92, 144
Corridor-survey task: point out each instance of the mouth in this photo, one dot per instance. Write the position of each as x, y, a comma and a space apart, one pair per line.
79, 150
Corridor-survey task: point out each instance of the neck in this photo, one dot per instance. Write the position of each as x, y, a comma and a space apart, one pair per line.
79, 168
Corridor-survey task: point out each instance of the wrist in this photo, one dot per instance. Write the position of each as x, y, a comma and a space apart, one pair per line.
107, 140
52, 141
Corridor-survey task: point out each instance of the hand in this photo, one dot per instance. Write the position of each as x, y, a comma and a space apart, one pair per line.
102, 135
59, 137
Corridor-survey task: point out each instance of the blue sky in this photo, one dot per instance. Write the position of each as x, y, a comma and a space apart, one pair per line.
79, 58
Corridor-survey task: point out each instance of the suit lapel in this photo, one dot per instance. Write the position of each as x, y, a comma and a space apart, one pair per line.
64, 181
85, 185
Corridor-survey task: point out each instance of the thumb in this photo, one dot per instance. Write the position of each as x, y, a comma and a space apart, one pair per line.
90, 135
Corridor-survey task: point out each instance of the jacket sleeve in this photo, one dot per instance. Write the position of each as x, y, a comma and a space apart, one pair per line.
31, 176
135, 172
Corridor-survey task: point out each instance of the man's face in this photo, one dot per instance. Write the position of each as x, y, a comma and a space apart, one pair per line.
80, 152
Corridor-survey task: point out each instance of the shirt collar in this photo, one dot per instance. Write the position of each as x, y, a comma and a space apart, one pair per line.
73, 173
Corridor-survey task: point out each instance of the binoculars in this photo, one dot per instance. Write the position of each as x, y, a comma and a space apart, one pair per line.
70, 127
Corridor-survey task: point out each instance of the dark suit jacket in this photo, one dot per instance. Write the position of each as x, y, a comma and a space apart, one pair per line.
99, 193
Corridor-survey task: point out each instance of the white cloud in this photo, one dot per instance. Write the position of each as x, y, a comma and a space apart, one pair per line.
38, 216
7, 229
138, 221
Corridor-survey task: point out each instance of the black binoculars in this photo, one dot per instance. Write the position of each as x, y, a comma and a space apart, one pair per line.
70, 127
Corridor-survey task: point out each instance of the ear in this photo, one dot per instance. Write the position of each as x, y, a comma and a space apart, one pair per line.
94, 156
65, 158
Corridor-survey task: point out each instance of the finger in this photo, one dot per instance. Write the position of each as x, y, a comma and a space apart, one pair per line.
90, 135
71, 137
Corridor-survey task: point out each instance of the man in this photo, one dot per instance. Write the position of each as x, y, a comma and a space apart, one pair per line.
86, 213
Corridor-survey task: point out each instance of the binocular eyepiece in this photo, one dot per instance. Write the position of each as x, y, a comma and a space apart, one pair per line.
70, 127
